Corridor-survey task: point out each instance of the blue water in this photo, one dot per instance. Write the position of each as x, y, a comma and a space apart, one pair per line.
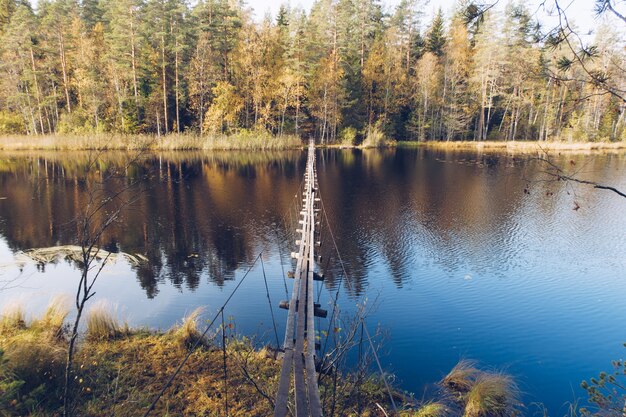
456, 255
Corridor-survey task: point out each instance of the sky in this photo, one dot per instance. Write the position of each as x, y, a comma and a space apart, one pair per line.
580, 11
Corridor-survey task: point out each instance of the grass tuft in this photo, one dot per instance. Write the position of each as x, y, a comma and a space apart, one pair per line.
461, 378
376, 138
187, 334
433, 409
101, 323
54, 317
492, 395
243, 139
35, 359
12, 319
522, 147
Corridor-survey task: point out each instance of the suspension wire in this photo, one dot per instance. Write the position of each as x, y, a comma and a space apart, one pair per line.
269, 300
342, 277
380, 368
335, 374
225, 364
358, 387
282, 268
361, 317
320, 283
292, 205
198, 340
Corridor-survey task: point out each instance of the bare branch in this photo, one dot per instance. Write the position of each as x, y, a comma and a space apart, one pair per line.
559, 174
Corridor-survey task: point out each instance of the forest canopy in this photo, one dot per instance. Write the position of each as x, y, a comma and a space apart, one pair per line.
344, 72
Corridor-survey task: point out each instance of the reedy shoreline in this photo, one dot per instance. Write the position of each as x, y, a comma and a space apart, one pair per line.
249, 140
121, 370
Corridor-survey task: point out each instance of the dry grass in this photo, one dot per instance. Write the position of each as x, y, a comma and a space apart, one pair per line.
102, 324
53, 319
121, 375
524, 146
35, 358
243, 140
12, 319
433, 409
462, 377
187, 334
492, 395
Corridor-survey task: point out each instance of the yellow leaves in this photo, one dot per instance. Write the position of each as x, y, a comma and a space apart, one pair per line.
225, 109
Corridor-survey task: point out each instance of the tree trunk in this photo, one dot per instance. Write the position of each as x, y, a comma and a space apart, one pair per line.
37, 91
177, 93
65, 75
164, 80
134, 61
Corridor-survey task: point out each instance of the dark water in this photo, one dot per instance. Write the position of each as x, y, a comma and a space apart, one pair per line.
460, 255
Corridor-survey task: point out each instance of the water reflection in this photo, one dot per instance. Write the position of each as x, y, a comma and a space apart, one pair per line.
197, 212
192, 212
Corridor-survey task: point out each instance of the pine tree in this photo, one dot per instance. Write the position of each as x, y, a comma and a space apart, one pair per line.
436, 38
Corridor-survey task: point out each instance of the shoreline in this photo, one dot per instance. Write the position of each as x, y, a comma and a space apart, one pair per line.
522, 147
139, 362
263, 141
173, 142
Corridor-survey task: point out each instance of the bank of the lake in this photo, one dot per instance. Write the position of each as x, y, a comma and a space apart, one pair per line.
120, 370
245, 140
521, 147
254, 140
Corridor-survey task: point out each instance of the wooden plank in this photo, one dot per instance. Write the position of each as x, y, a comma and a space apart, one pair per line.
314, 395
302, 409
300, 322
282, 396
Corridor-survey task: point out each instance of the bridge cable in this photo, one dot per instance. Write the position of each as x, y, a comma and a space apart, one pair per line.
380, 368
343, 275
290, 237
225, 364
198, 340
280, 256
362, 319
358, 388
269, 300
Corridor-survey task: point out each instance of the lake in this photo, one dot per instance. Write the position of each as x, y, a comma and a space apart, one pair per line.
458, 255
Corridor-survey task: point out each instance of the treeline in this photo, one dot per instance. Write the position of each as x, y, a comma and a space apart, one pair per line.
346, 71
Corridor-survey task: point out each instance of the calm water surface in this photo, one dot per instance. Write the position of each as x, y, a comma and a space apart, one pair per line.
460, 256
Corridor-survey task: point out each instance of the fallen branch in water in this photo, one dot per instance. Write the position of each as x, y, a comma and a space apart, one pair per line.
75, 253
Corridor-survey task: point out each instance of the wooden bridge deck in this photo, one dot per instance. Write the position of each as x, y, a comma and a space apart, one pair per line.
299, 344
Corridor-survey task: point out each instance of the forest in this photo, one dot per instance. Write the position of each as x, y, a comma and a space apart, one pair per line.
348, 71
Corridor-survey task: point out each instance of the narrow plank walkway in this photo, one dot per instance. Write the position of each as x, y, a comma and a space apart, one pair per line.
299, 344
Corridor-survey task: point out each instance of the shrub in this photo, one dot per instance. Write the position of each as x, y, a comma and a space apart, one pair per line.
347, 136
77, 122
375, 137
11, 123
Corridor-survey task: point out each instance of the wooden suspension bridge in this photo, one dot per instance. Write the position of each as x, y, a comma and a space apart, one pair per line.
298, 369
299, 345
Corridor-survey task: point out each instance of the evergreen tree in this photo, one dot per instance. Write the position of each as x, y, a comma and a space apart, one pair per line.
165, 66
436, 37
